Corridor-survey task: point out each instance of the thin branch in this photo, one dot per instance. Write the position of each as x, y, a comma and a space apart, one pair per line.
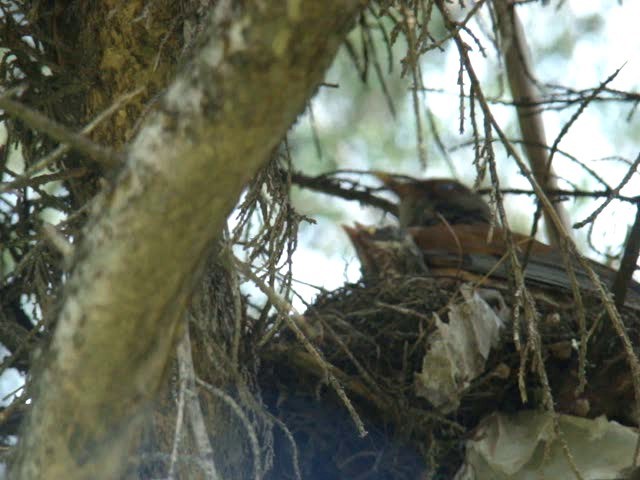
101, 117
581, 109
567, 193
414, 66
103, 156
244, 419
628, 264
26, 181
331, 186
630, 172
295, 321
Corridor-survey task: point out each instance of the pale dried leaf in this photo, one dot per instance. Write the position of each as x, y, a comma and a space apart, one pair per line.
513, 447
457, 351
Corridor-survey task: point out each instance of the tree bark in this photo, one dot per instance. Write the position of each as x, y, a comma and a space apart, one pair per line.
251, 76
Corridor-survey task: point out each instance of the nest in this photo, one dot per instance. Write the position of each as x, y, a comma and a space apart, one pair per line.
375, 338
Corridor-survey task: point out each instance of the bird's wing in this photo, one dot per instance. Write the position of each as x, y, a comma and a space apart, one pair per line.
465, 248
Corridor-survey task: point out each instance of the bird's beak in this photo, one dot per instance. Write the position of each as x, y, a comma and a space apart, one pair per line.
351, 232
386, 178
359, 232
392, 183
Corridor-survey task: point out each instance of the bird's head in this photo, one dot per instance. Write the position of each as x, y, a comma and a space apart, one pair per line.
385, 251
427, 202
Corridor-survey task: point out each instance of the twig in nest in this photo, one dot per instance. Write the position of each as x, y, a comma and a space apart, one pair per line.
294, 320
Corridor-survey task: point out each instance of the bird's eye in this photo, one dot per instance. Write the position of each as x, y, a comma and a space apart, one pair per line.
447, 187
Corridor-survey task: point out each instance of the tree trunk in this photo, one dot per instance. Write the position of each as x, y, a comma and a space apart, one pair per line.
153, 226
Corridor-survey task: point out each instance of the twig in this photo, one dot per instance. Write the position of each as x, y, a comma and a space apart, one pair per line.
371, 45
58, 241
630, 172
101, 117
314, 131
26, 181
438, 140
294, 320
331, 186
628, 262
295, 455
566, 193
414, 65
196, 418
103, 156
581, 109
251, 432
177, 434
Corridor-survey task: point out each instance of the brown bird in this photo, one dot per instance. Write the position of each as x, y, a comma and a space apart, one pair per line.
427, 202
450, 226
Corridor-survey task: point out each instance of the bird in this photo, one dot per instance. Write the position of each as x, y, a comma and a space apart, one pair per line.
385, 252
426, 202
450, 225
458, 252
